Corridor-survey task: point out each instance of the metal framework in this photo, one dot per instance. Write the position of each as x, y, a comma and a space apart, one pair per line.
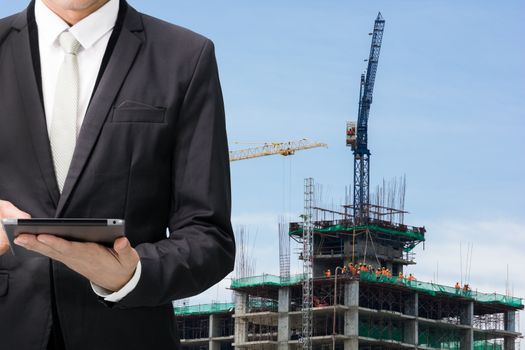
380, 298
442, 309
271, 148
307, 313
490, 321
361, 151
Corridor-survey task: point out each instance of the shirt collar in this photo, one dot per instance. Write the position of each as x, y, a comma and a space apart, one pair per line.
88, 31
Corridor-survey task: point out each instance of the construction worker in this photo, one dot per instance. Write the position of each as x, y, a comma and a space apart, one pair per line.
378, 273
411, 278
466, 288
457, 287
328, 273
343, 270
353, 270
400, 276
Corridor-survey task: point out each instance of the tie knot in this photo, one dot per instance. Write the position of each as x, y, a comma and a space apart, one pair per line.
69, 43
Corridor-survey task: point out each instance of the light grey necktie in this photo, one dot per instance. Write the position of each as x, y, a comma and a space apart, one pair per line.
63, 135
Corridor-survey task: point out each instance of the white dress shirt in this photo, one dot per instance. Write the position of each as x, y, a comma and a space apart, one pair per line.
93, 33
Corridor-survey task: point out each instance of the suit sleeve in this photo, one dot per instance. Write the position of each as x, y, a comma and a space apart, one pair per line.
200, 249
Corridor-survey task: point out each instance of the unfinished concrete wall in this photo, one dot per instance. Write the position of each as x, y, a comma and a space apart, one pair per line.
411, 326
467, 319
214, 332
510, 325
283, 326
351, 300
241, 325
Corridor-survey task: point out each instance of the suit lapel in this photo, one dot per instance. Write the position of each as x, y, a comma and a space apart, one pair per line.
32, 105
119, 64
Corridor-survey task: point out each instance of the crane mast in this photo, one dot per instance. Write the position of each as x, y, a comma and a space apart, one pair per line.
360, 146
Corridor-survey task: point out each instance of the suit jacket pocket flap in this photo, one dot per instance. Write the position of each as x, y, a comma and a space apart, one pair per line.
4, 283
138, 114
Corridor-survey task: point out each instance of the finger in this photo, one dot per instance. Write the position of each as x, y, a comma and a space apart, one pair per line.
30, 242
121, 245
127, 255
60, 245
9, 211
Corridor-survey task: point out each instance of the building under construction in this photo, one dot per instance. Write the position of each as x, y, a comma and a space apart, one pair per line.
353, 292
348, 310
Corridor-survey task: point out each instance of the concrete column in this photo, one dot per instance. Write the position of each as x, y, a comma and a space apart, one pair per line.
241, 326
351, 300
214, 332
411, 326
467, 318
283, 325
510, 343
510, 325
510, 321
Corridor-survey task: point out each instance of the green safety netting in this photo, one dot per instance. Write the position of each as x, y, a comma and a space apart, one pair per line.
434, 289
430, 337
418, 236
487, 345
438, 338
425, 287
204, 308
262, 303
266, 279
254, 303
381, 332
478, 345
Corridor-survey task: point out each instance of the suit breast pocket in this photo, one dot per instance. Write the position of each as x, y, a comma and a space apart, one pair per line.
137, 112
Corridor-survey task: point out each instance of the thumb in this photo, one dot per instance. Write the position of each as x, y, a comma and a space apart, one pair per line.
9, 211
125, 251
23, 215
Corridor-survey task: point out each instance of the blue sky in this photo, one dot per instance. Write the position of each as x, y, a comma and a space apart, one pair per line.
448, 112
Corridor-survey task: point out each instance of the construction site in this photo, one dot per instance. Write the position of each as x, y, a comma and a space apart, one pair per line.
354, 292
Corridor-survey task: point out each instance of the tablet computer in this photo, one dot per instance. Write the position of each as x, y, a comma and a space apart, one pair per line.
102, 231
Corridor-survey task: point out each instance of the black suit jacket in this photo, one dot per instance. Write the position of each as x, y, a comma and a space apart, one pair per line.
152, 150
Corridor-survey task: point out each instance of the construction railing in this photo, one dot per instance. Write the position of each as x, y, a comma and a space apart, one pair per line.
424, 287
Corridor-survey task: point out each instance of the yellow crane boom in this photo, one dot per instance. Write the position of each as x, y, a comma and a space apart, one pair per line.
271, 148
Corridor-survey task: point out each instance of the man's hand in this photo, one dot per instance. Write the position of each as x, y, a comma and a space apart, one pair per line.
109, 268
9, 211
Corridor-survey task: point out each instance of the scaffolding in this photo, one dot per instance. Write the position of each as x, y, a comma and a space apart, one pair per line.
495, 321
307, 316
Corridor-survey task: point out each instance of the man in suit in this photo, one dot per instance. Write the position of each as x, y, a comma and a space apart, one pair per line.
107, 112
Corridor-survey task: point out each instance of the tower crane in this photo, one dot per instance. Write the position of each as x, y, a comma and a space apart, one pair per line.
357, 135
271, 148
